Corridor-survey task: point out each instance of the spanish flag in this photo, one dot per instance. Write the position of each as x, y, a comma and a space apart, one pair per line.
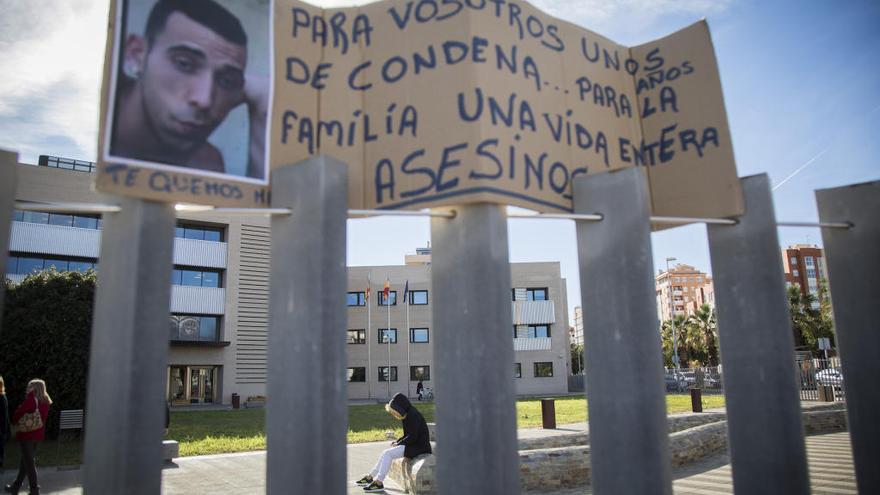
367, 293
387, 290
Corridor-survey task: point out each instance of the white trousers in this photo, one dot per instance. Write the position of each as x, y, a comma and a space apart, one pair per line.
384, 463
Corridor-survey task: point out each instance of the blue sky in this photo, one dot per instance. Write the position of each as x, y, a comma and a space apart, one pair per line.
801, 82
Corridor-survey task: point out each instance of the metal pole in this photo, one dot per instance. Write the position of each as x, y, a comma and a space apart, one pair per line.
129, 351
388, 345
8, 179
757, 347
306, 415
369, 342
853, 271
473, 353
627, 430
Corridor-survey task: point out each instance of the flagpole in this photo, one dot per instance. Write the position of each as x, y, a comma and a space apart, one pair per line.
369, 360
388, 339
408, 339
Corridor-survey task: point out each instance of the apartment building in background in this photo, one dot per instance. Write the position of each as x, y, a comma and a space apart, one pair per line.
804, 266
218, 318
682, 290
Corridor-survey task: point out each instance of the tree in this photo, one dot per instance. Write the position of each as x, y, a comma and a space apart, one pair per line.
577, 359
705, 328
47, 321
810, 321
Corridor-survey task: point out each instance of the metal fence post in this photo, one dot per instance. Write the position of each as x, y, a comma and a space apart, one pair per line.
757, 350
125, 412
306, 416
473, 353
627, 429
853, 271
8, 176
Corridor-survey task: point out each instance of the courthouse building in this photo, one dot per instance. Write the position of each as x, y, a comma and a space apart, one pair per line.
219, 300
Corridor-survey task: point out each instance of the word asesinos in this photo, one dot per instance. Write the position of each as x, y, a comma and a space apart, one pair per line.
398, 67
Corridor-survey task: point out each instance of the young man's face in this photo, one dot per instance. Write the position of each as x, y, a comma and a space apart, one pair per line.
191, 78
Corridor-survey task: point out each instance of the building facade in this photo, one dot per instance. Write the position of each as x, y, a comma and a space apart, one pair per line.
220, 292
804, 267
682, 290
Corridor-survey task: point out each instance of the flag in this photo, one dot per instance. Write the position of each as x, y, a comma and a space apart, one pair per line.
367, 293
406, 292
387, 291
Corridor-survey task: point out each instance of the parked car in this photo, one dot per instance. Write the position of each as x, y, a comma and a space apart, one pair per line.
830, 376
675, 381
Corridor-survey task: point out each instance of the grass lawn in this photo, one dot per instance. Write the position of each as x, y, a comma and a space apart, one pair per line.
216, 432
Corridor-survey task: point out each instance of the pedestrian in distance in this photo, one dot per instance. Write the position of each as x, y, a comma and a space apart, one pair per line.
419, 389
30, 420
414, 442
5, 429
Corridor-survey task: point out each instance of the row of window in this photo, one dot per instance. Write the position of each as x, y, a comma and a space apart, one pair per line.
195, 277
387, 336
533, 294
416, 298
194, 327
420, 335
416, 373
25, 265
81, 221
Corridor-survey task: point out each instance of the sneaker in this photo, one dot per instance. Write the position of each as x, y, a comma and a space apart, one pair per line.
375, 486
366, 480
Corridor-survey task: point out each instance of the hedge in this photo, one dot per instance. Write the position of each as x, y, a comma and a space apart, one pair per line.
47, 321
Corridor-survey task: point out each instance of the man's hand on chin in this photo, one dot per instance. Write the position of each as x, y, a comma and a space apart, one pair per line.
256, 95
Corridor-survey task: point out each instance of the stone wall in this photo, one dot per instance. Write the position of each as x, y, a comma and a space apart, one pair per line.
563, 460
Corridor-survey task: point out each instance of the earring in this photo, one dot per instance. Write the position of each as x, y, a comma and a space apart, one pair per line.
131, 70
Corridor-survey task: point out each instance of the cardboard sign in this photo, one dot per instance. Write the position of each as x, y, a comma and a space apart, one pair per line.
435, 103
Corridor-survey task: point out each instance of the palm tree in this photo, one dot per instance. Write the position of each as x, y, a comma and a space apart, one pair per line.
705, 330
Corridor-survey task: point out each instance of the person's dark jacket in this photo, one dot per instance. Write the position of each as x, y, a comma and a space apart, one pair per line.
415, 437
5, 430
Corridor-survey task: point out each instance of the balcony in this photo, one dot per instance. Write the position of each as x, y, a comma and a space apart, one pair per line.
38, 238
533, 312
532, 344
198, 300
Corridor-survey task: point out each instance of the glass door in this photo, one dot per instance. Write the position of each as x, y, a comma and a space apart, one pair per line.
177, 385
201, 385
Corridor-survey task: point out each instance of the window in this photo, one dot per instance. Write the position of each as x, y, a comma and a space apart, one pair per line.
418, 297
532, 332
543, 370
517, 370
793, 260
195, 277
387, 333
392, 298
418, 335
357, 336
383, 373
64, 220
199, 232
417, 373
194, 327
25, 265
536, 294
358, 374
355, 299
795, 273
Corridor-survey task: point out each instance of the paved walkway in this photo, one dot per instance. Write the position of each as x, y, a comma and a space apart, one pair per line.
830, 458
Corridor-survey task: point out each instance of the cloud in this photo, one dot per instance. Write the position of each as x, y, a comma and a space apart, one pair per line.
53, 56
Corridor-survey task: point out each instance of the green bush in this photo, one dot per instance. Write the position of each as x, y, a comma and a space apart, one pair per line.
47, 321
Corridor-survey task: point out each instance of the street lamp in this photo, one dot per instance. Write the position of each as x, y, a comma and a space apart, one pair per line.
672, 314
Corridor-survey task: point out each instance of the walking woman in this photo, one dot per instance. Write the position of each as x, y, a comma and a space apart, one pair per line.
5, 431
30, 430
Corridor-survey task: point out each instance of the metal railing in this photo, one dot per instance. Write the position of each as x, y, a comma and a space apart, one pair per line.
306, 439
